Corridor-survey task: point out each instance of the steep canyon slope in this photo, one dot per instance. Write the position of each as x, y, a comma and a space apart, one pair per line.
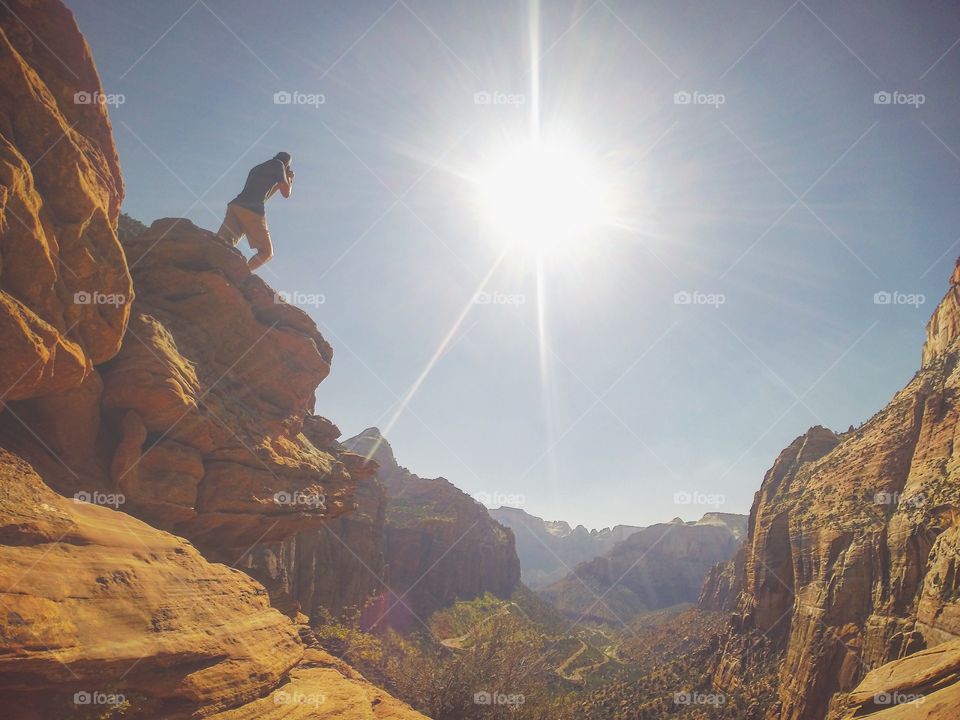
438, 543
851, 560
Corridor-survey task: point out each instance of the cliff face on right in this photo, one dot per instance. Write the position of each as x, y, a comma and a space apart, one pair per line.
851, 560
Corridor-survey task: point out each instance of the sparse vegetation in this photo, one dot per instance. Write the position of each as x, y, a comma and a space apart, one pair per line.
520, 659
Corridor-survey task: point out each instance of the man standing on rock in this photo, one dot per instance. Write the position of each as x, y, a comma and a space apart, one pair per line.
246, 214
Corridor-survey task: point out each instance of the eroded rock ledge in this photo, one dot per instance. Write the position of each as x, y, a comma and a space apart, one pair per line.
212, 395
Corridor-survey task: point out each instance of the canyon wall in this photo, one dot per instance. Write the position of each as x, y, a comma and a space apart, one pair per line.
851, 560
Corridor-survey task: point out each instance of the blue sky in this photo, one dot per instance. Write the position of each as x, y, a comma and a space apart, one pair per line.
796, 200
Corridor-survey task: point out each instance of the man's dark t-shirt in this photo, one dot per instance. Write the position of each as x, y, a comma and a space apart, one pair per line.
261, 181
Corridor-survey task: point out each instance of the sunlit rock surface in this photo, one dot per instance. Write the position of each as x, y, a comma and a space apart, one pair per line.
851, 560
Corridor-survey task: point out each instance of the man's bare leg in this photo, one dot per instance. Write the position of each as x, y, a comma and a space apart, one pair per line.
262, 256
231, 228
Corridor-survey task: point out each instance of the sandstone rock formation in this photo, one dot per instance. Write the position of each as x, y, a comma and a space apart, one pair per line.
548, 550
851, 560
194, 428
64, 287
658, 567
96, 601
339, 569
721, 586
922, 686
212, 396
97, 604
412, 546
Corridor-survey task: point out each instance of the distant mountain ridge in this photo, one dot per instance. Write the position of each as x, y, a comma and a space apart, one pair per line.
548, 549
657, 567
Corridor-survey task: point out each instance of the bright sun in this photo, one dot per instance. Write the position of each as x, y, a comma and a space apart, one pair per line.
545, 197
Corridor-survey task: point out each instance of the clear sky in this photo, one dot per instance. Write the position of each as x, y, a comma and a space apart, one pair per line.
783, 189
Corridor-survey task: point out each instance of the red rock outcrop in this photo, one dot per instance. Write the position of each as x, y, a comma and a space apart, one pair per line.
922, 686
338, 570
96, 601
212, 397
64, 287
721, 585
102, 612
203, 420
851, 560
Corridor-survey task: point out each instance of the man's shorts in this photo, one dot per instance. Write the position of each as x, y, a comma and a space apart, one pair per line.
242, 221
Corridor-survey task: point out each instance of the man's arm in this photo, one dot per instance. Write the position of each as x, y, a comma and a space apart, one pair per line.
286, 185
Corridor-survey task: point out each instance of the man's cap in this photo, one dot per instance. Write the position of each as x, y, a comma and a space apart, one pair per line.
283, 157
